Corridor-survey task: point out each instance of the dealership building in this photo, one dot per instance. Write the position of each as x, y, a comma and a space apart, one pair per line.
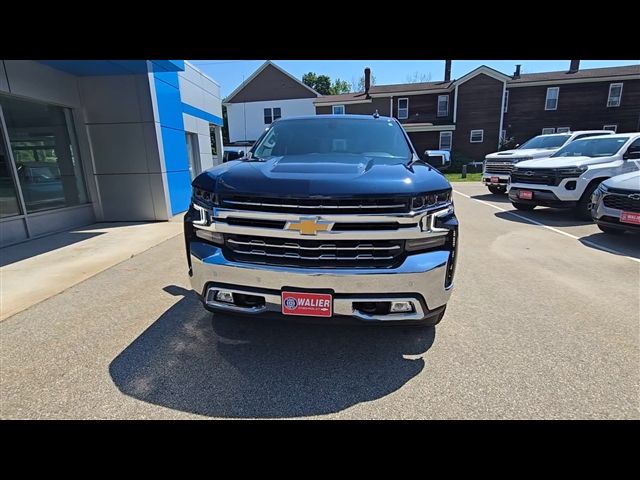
95, 140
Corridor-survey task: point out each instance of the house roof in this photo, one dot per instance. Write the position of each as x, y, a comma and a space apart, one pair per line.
580, 74
241, 87
403, 88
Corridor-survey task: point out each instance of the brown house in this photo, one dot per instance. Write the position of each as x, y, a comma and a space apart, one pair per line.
473, 114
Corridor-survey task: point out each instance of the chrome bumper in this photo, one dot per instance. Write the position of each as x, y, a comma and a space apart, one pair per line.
421, 277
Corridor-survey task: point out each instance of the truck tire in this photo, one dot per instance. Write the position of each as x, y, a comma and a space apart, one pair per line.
582, 210
615, 231
497, 190
523, 206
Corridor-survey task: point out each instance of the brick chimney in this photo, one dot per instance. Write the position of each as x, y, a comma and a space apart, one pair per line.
574, 66
516, 74
447, 70
367, 81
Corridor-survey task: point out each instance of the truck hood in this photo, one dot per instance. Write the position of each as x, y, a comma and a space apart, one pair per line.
626, 181
506, 155
562, 162
321, 175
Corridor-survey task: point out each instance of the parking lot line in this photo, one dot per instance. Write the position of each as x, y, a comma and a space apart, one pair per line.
534, 222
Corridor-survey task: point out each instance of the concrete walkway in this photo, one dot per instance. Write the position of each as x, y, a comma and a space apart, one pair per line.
33, 271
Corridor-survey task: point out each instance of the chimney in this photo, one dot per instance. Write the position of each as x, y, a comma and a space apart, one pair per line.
516, 74
367, 81
574, 66
447, 70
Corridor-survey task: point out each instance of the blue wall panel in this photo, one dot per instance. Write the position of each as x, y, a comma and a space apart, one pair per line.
179, 184
169, 103
175, 149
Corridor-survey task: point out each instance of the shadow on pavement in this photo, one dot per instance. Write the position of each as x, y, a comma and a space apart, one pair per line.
492, 197
552, 217
626, 244
221, 366
38, 246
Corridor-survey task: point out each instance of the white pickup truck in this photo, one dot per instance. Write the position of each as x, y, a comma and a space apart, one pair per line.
569, 177
498, 165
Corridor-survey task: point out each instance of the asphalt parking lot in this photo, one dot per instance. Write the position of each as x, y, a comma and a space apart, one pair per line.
544, 323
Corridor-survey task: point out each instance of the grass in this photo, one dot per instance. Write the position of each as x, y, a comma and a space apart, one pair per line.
457, 177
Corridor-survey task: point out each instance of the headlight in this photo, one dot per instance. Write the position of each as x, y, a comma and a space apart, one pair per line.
521, 159
205, 197
572, 171
430, 200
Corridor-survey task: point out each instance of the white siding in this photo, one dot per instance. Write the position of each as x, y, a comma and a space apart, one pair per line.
254, 113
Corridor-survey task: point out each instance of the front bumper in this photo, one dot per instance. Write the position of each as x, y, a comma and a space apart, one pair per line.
542, 195
606, 216
503, 180
421, 278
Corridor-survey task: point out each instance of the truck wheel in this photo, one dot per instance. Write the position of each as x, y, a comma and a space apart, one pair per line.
582, 210
615, 231
497, 190
523, 206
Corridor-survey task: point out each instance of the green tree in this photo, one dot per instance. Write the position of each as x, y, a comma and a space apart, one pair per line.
340, 86
322, 84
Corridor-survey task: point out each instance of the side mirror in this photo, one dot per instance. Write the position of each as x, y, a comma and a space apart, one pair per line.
631, 154
438, 159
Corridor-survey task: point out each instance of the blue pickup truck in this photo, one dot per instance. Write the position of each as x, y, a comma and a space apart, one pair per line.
331, 216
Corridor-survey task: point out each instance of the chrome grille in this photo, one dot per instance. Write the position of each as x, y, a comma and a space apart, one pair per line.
621, 202
314, 253
498, 167
317, 205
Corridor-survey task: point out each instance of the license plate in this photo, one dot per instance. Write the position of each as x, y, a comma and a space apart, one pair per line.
307, 304
525, 194
495, 180
630, 217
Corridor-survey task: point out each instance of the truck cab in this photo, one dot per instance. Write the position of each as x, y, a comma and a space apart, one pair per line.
498, 165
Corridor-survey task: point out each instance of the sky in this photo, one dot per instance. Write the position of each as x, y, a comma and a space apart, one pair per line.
231, 73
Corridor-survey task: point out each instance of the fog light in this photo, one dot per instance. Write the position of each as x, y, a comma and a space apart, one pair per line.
209, 236
401, 307
224, 296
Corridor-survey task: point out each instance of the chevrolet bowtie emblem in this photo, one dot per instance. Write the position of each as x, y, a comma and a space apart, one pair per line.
309, 226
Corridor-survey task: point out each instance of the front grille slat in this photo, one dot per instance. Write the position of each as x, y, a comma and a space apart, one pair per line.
504, 168
315, 253
621, 202
317, 205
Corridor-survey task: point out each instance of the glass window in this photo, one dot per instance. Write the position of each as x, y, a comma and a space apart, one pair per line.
337, 109
563, 129
276, 113
613, 128
505, 107
548, 130
443, 105
550, 141
268, 116
8, 198
403, 108
615, 95
476, 136
46, 154
552, 98
445, 140
315, 139
592, 147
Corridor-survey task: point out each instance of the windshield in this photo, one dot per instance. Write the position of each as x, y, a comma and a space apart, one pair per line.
592, 147
546, 141
335, 136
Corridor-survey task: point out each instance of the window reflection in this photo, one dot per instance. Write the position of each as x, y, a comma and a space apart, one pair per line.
45, 153
8, 198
